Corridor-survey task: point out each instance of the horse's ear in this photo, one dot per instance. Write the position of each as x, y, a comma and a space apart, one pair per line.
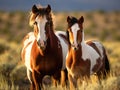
48, 9
68, 19
81, 20
34, 9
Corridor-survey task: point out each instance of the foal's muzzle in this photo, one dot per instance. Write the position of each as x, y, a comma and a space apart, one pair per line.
75, 47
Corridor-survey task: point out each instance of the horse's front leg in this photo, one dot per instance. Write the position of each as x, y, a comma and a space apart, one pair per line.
29, 75
72, 82
64, 78
32, 87
37, 78
56, 78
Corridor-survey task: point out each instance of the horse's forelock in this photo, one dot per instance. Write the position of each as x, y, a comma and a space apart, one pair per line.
40, 13
72, 22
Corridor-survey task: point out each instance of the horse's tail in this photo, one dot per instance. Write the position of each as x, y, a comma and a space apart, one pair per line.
107, 66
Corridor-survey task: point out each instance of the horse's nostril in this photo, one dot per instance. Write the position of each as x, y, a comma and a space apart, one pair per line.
75, 48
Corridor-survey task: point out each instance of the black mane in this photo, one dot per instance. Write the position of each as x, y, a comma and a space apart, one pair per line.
72, 21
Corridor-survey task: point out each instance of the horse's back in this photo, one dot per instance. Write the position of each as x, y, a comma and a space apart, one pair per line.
97, 46
64, 43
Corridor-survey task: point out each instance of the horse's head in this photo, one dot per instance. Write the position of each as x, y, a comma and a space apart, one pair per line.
41, 20
75, 31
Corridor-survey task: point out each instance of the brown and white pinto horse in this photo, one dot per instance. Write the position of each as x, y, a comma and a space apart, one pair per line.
84, 58
44, 51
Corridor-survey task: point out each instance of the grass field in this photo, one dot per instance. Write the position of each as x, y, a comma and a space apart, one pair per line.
98, 25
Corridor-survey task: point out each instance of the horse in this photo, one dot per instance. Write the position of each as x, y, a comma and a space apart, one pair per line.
44, 51
84, 58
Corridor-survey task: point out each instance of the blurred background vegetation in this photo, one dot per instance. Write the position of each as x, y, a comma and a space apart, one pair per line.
98, 25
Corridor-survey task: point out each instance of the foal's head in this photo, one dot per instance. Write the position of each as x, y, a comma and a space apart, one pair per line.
75, 31
42, 21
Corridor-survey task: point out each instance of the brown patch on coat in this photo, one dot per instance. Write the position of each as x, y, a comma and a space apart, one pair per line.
49, 63
98, 65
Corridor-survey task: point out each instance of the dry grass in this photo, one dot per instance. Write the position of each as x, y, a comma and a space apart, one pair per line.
103, 26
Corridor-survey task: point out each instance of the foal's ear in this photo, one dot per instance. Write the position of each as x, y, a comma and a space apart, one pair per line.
48, 9
34, 9
68, 19
81, 19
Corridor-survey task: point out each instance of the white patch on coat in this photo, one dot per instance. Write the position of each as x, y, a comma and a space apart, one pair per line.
28, 49
64, 47
30, 38
41, 22
75, 29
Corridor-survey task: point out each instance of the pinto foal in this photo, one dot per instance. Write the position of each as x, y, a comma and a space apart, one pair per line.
83, 58
44, 51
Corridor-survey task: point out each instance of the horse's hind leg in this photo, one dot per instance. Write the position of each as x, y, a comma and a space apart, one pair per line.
37, 78
105, 69
107, 66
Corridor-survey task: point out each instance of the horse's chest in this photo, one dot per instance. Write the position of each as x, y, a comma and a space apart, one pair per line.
47, 64
79, 68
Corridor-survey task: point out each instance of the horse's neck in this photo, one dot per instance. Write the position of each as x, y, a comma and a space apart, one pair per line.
53, 40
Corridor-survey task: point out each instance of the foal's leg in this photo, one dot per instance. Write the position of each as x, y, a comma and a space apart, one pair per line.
37, 78
64, 78
72, 82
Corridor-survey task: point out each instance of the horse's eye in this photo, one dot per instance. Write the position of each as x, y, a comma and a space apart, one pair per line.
35, 23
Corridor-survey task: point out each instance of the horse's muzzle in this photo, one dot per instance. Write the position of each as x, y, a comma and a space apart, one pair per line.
42, 45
